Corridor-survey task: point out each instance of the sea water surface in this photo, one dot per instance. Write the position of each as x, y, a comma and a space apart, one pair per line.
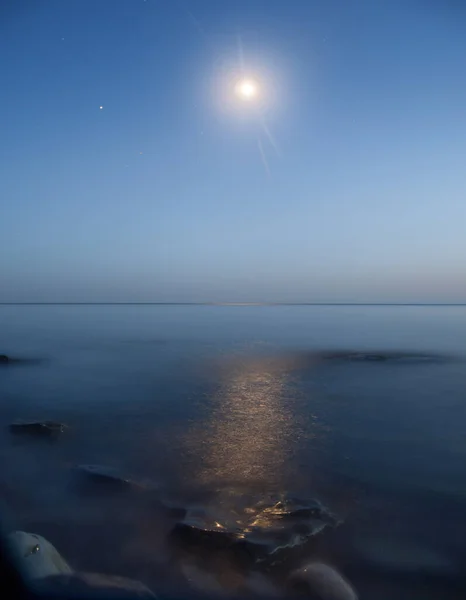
361, 408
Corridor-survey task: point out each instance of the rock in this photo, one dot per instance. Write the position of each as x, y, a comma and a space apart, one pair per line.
106, 475
35, 556
93, 585
267, 521
323, 581
392, 356
249, 533
270, 522
109, 476
369, 357
8, 360
38, 428
43, 567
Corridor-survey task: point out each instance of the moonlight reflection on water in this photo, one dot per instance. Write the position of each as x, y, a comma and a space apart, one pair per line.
247, 437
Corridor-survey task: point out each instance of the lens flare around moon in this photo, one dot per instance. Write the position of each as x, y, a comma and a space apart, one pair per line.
247, 89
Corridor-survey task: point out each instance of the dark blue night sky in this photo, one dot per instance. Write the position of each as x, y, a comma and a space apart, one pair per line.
342, 181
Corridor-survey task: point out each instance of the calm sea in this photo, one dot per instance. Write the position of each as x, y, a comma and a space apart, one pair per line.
360, 407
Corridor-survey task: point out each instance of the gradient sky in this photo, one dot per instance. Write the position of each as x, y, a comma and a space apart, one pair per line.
345, 182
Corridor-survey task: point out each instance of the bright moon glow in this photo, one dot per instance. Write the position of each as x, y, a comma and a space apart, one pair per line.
247, 89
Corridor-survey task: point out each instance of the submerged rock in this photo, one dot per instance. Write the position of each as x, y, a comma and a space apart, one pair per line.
323, 581
8, 360
109, 476
392, 356
370, 357
38, 428
105, 475
35, 556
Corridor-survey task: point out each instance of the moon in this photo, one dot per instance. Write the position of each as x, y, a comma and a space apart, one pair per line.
247, 89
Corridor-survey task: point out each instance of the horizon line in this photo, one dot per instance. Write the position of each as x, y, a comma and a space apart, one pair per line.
123, 303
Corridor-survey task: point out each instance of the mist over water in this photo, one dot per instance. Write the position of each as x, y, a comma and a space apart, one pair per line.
226, 410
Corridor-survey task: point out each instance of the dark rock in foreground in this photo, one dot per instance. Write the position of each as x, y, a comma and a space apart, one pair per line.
109, 476
35, 556
38, 428
261, 534
47, 572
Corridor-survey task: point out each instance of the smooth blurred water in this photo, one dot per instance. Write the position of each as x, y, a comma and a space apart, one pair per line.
203, 398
